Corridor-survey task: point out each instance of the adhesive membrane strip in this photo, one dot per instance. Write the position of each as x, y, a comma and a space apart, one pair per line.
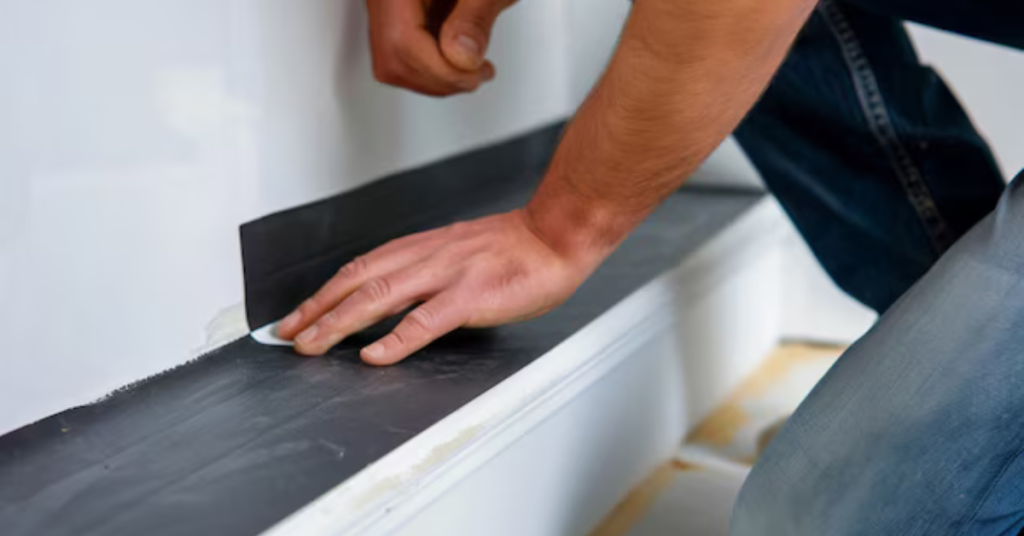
237, 440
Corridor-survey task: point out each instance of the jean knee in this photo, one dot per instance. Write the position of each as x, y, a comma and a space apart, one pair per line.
759, 510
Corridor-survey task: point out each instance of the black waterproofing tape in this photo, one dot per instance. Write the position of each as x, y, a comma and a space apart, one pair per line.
237, 440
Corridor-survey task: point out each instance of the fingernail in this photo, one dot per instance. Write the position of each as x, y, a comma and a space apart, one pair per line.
308, 336
470, 48
374, 350
290, 321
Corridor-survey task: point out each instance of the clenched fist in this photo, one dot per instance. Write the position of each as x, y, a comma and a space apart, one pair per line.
434, 47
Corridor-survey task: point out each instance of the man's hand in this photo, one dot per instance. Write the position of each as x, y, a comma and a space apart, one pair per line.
683, 76
480, 273
438, 61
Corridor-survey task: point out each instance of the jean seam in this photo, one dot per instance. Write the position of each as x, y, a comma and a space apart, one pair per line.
988, 492
876, 114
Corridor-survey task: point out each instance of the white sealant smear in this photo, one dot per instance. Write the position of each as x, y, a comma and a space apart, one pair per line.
268, 335
228, 326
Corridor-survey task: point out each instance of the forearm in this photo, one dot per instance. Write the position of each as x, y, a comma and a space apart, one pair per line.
684, 75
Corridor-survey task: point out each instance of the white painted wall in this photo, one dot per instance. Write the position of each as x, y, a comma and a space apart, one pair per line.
138, 134
989, 80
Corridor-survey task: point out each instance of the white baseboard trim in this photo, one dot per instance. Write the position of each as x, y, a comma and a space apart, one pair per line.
391, 493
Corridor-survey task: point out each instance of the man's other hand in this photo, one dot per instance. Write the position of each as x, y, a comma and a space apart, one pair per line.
481, 273
434, 47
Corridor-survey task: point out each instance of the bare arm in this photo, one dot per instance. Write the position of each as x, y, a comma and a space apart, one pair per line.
683, 76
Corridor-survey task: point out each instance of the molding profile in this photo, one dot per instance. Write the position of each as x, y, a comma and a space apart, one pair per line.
395, 489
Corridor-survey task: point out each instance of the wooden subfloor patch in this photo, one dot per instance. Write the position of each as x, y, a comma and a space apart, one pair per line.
624, 516
724, 428
719, 430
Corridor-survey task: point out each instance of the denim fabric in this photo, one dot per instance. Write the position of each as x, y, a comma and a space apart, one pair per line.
919, 427
868, 150
999, 21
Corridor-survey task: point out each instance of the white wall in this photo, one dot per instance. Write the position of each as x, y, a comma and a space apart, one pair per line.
138, 134
989, 80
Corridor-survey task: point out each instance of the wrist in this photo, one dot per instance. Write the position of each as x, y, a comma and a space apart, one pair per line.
582, 230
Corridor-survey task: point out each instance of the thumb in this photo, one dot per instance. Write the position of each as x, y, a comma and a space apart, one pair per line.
467, 32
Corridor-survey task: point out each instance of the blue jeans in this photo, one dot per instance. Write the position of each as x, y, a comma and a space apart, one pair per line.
919, 427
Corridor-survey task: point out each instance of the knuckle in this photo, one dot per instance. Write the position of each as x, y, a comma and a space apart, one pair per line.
330, 319
457, 228
386, 72
353, 269
479, 21
377, 290
510, 274
400, 242
311, 306
398, 47
422, 319
381, 73
394, 37
397, 339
